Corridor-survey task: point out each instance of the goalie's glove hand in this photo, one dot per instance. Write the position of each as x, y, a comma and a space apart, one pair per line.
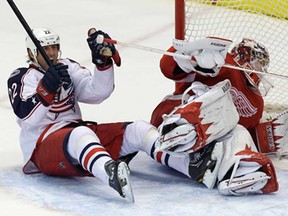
207, 55
102, 53
55, 76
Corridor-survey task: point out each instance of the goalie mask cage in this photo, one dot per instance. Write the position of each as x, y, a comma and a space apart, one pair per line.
262, 20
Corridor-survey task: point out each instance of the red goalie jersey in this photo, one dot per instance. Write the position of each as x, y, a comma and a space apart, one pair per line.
247, 99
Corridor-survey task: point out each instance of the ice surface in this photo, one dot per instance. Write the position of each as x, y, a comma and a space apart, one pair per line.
157, 190
140, 86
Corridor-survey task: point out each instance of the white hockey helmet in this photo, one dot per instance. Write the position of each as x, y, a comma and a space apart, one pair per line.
45, 37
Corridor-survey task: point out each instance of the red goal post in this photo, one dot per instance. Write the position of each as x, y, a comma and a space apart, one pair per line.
265, 21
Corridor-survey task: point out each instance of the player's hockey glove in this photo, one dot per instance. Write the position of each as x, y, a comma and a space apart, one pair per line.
102, 53
55, 76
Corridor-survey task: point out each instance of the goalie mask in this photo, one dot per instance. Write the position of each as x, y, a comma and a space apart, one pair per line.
45, 37
254, 56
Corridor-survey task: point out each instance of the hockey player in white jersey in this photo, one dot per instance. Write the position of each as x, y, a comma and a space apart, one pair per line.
56, 141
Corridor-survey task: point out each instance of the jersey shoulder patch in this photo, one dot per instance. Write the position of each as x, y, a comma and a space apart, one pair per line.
17, 74
22, 107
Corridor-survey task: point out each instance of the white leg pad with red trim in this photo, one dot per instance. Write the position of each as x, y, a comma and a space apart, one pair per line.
243, 169
204, 117
252, 182
272, 136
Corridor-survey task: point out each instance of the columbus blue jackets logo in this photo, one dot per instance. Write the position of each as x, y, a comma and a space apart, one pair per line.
64, 100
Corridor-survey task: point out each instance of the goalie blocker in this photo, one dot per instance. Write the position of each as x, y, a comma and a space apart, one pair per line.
207, 55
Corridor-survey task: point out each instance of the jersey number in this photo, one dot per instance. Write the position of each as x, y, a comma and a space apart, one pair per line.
13, 92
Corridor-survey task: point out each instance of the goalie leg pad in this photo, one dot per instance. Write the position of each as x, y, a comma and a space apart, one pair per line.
272, 136
243, 169
210, 114
265, 138
266, 167
242, 185
213, 113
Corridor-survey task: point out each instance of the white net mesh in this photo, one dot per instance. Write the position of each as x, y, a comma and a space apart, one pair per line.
262, 20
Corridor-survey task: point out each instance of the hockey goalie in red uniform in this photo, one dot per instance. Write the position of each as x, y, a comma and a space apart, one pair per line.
197, 115
246, 88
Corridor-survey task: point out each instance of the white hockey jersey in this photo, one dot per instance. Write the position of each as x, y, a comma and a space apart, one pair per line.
33, 118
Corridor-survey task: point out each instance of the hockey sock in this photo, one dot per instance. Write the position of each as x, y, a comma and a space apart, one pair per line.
84, 146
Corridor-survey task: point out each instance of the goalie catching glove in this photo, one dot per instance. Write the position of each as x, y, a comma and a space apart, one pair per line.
207, 55
199, 120
272, 136
103, 54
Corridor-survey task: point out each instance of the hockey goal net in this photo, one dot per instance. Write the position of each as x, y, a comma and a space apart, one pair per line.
262, 20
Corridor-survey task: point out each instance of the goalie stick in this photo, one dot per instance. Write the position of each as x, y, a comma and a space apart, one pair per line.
29, 31
101, 39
